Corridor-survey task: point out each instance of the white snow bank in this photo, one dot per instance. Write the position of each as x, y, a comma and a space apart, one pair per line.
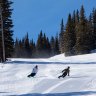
87, 58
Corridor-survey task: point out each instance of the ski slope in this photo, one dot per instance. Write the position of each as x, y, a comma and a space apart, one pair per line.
81, 82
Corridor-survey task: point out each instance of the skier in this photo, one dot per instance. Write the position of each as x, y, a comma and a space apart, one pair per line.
65, 72
34, 72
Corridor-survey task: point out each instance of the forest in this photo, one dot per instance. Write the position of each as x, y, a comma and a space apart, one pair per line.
76, 37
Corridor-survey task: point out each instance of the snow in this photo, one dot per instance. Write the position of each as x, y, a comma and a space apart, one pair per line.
81, 82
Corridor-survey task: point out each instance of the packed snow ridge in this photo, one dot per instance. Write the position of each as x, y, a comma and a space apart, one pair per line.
81, 82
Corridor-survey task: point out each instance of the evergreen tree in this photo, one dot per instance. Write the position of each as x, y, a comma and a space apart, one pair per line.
69, 40
22, 48
90, 29
52, 44
48, 51
7, 28
44, 43
82, 34
27, 47
57, 51
1, 47
77, 18
33, 49
94, 26
46, 46
16, 49
39, 45
42, 46
61, 38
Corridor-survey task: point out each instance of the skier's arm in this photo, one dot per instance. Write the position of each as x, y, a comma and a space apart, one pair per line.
63, 70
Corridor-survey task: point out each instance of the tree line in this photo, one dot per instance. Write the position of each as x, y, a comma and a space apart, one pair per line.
44, 47
78, 36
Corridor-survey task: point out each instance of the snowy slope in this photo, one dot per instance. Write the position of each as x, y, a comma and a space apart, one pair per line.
81, 82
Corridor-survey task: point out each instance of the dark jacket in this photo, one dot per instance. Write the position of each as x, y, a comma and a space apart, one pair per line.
67, 71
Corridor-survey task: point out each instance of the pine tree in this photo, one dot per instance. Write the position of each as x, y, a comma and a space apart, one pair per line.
90, 29
45, 46
39, 44
52, 44
82, 34
42, 46
27, 46
22, 48
48, 51
7, 28
77, 18
16, 49
94, 26
69, 40
33, 49
57, 51
61, 38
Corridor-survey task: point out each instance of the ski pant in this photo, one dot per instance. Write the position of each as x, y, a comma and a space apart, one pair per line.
63, 75
32, 75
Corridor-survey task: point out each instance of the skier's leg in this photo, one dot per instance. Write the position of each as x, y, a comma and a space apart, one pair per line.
33, 74
29, 75
64, 74
59, 76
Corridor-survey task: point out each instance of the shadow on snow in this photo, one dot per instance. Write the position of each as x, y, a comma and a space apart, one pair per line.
42, 62
62, 94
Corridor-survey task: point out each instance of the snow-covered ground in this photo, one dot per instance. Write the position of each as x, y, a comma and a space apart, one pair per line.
81, 82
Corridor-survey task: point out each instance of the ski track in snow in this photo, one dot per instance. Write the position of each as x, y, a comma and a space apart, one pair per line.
54, 86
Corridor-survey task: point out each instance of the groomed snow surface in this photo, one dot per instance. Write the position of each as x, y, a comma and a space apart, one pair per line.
81, 82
